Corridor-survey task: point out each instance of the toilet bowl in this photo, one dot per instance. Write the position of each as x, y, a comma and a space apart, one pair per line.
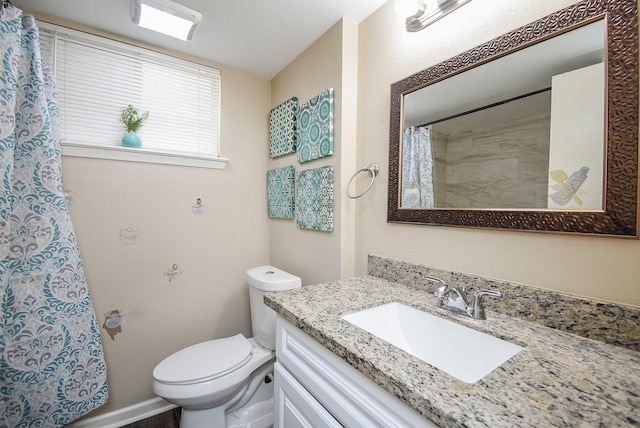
227, 382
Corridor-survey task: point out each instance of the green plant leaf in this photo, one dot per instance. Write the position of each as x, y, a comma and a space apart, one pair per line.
132, 119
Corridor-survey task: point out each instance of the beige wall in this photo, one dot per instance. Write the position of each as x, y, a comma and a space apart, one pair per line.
601, 268
210, 299
331, 62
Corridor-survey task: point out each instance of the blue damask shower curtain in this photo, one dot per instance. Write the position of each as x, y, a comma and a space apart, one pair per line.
52, 368
418, 163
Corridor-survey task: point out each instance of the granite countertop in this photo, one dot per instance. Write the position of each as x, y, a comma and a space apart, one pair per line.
559, 379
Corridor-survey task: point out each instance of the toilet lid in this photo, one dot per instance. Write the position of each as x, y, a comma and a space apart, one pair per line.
204, 361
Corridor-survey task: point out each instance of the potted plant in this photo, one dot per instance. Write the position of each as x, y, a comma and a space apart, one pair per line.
132, 120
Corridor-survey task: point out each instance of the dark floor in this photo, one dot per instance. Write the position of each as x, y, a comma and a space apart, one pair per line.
170, 419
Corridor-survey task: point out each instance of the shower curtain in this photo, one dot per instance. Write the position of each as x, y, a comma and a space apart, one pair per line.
52, 368
417, 163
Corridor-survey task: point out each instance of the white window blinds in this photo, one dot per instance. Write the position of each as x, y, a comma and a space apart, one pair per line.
98, 77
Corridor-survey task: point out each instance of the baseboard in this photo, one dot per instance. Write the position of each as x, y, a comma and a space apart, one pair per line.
126, 415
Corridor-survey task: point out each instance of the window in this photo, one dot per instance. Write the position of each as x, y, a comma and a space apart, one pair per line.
98, 77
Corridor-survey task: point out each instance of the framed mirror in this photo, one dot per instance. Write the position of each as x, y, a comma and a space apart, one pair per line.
535, 130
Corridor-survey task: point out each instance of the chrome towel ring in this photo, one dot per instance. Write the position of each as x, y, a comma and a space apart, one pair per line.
373, 170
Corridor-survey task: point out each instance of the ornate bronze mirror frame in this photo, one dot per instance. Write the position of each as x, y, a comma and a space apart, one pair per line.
619, 215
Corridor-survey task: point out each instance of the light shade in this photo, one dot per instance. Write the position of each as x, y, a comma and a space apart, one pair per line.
430, 11
165, 16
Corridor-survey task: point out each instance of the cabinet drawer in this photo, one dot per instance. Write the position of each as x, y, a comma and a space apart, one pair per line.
295, 407
352, 398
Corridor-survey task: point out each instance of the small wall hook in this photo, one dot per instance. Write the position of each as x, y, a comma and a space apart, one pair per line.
198, 207
128, 236
173, 272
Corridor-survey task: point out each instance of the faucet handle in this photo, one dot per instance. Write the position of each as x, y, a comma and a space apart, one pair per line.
442, 290
477, 308
436, 280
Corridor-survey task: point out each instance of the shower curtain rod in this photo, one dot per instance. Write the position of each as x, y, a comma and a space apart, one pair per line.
539, 91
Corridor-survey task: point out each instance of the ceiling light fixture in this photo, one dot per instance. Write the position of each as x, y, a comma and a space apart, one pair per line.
165, 16
426, 12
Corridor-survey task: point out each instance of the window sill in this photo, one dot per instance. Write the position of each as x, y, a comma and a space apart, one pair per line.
141, 155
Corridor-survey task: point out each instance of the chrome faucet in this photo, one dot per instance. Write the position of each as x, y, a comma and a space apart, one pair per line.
452, 299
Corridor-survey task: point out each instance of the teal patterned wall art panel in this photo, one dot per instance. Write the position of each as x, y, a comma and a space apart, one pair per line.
314, 205
315, 127
282, 128
280, 192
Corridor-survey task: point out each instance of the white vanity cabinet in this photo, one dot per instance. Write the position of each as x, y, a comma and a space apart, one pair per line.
315, 388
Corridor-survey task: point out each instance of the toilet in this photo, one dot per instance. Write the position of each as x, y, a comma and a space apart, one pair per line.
228, 382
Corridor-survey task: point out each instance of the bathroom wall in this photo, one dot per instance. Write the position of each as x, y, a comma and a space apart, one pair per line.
210, 298
597, 267
577, 98
330, 62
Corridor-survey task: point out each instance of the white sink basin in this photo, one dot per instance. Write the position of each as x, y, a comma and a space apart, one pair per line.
462, 352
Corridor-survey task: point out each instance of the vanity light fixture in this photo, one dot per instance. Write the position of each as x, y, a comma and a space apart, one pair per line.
165, 16
425, 12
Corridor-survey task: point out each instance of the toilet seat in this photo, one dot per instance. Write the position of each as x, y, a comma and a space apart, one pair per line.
204, 361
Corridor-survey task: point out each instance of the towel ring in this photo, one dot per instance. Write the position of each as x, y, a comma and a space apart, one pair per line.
373, 170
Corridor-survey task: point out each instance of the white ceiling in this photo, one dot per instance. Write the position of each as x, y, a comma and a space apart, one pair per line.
258, 36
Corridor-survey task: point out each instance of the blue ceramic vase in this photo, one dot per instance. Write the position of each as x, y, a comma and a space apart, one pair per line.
131, 139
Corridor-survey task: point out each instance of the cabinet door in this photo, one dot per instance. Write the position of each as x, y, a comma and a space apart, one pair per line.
353, 399
295, 407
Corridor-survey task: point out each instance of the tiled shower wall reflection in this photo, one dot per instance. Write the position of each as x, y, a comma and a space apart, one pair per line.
502, 166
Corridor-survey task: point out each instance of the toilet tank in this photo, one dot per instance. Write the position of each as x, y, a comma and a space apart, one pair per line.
264, 279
